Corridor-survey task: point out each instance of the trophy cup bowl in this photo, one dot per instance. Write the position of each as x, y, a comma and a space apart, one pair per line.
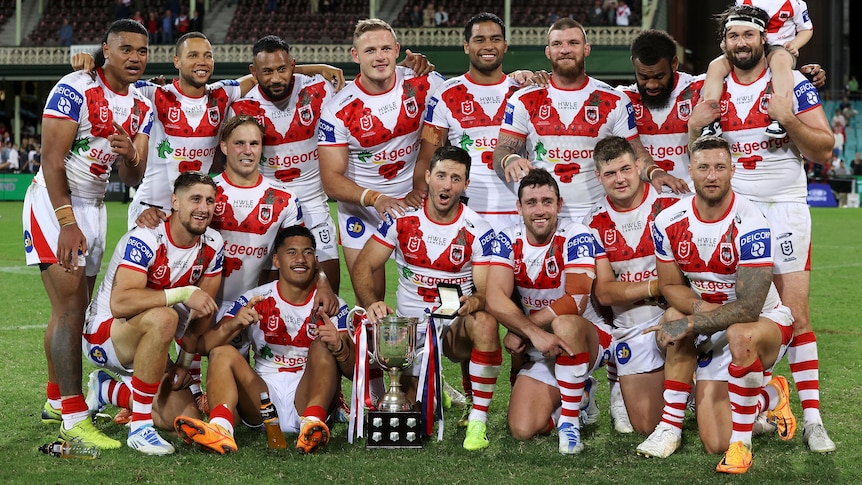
394, 340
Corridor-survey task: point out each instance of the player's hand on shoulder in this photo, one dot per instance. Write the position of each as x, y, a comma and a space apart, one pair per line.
703, 113
325, 296
527, 78
815, 73
83, 61
416, 198
150, 218
389, 205
662, 178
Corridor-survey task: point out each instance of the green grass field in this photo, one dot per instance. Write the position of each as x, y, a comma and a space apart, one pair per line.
609, 457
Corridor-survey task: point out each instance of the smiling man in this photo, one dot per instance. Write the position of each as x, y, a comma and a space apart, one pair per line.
443, 242
89, 125
160, 285
369, 139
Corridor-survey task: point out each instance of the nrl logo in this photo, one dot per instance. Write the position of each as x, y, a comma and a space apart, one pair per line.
544, 112
610, 237
366, 123
103, 114
413, 244
639, 110
173, 114
467, 107
683, 249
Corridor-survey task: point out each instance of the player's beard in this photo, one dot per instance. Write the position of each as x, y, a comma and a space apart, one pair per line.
487, 69
192, 81
746, 64
570, 71
655, 101
271, 95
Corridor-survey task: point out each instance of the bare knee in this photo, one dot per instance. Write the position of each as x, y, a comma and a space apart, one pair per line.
485, 329
522, 430
741, 341
163, 321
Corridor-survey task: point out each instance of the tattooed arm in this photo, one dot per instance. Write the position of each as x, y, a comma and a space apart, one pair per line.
752, 286
508, 162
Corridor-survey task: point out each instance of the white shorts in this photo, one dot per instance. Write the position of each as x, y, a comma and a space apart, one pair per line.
323, 228
636, 352
99, 347
356, 224
41, 229
502, 220
541, 368
282, 391
790, 223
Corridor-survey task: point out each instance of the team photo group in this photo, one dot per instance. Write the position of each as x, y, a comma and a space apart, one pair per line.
659, 230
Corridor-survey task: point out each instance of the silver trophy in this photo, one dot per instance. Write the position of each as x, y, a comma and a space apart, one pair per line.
394, 341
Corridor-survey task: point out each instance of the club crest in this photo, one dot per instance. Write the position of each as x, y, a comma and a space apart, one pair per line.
134, 124
725, 253
265, 214
197, 271
591, 114
213, 115
411, 106
764, 103
456, 254
683, 109
306, 116
551, 267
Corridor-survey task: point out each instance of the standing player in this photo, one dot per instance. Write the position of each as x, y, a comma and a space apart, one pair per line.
745, 110
369, 139
300, 354
92, 123
467, 111
626, 278
443, 242
714, 262
288, 105
160, 286
552, 267
560, 124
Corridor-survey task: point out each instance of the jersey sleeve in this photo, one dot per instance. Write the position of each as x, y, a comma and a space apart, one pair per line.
65, 101
502, 250
139, 250
214, 267
516, 118
231, 87
801, 18
580, 248
437, 112
340, 319
387, 232
624, 122
663, 251
483, 245
805, 95
331, 131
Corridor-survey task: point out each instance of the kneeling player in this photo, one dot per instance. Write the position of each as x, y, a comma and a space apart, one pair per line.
300, 354
714, 263
552, 325
626, 279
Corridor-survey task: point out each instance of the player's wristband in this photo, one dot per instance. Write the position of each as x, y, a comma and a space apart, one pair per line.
507, 159
652, 171
65, 215
362, 197
342, 354
178, 295
184, 359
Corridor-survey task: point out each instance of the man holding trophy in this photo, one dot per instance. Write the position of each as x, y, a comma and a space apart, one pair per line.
443, 245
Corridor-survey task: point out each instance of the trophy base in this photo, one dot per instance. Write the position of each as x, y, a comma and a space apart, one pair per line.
393, 430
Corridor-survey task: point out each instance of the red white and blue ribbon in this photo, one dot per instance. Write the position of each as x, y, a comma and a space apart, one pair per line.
431, 382
360, 396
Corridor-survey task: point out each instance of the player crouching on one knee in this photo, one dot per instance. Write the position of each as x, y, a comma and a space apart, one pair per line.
300, 354
547, 262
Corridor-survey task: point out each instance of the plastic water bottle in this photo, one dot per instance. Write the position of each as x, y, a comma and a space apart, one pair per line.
274, 436
64, 449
